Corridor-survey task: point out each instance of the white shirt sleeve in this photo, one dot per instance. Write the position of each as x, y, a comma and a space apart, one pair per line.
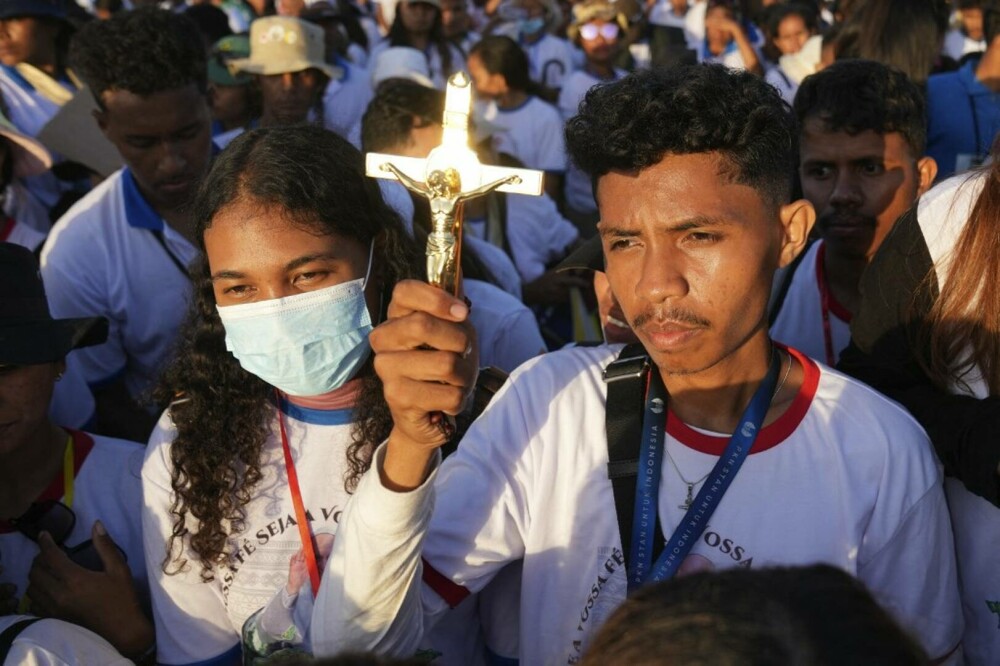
190, 615
73, 269
537, 233
551, 148
455, 537
52, 642
913, 575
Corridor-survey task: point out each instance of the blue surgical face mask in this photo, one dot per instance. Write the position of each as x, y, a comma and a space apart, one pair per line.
532, 25
305, 345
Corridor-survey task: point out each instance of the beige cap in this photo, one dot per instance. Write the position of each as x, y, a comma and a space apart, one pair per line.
585, 12
284, 44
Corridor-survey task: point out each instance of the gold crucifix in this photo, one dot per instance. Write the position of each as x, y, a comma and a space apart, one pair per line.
450, 175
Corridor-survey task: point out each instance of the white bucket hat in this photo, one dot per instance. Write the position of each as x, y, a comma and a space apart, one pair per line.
284, 44
401, 62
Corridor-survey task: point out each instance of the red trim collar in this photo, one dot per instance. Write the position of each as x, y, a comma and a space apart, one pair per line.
82, 446
452, 593
771, 435
837, 308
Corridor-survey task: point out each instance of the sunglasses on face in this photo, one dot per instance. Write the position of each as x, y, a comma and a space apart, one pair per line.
59, 520
590, 31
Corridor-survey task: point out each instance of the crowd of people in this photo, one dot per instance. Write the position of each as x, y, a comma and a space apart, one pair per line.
727, 390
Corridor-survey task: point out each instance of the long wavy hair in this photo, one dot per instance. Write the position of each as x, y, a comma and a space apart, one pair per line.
222, 413
961, 333
400, 36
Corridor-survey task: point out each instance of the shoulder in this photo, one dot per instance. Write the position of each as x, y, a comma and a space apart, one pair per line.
112, 457
563, 375
157, 467
491, 299
943, 212
541, 110
93, 217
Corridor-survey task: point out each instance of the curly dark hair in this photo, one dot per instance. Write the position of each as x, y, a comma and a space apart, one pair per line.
143, 51
221, 411
855, 96
633, 123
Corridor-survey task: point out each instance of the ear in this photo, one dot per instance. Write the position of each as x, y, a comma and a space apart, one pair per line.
797, 220
927, 169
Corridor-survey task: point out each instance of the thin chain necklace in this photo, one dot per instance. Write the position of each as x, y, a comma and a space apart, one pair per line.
691, 485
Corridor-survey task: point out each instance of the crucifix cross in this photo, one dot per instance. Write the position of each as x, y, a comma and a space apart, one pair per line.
450, 175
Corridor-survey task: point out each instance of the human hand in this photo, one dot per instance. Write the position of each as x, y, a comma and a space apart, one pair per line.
427, 357
105, 602
298, 572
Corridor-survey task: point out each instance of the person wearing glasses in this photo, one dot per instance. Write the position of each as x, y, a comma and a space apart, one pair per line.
70, 537
595, 29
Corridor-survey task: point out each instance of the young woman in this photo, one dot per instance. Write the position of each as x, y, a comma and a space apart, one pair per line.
728, 40
418, 25
276, 409
528, 128
793, 45
928, 335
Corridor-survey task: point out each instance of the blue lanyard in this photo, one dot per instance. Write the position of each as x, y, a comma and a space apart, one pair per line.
641, 568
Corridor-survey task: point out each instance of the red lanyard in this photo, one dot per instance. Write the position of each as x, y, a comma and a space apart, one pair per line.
826, 304
305, 532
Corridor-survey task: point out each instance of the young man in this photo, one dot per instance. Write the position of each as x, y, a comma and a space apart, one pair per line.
695, 219
861, 144
122, 251
287, 57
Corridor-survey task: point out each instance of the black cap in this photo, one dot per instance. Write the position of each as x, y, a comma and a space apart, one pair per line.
54, 9
28, 333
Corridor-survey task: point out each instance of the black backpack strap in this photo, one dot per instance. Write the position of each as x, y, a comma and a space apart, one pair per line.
786, 283
626, 378
10, 634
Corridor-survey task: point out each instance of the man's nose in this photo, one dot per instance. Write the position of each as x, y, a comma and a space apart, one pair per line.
846, 191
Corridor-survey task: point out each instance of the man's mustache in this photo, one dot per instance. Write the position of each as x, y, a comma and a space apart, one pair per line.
669, 315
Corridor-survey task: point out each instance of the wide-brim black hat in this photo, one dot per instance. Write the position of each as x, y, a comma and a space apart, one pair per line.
28, 333
587, 257
52, 9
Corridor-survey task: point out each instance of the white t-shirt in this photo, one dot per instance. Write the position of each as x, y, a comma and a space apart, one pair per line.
51, 642
197, 621
532, 132
578, 189
800, 321
103, 258
957, 44
506, 329
844, 477
346, 98
942, 214
538, 235
550, 60
106, 487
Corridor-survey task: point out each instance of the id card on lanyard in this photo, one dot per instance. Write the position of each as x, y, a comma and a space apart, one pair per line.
641, 569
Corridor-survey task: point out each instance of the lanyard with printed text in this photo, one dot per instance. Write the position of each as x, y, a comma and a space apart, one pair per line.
305, 532
640, 568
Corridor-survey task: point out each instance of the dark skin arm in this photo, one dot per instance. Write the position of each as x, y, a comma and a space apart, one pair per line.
106, 602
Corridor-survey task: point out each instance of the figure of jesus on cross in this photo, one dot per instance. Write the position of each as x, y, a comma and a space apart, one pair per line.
448, 169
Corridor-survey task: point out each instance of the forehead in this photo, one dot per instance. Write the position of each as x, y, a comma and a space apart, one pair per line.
791, 23
679, 188
246, 231
162, 112
818, 141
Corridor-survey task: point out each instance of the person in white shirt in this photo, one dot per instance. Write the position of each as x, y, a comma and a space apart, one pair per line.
550, 57
595, 29
789, 28
968, 37
276, 408
35, 79
862, 134
695, 219
728, 41
526, 127
924, 335
418, 26
70, 541
122, 251
456, 24
235, 101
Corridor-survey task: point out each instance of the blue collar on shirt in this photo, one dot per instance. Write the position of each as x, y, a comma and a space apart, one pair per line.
317, 416
138, 212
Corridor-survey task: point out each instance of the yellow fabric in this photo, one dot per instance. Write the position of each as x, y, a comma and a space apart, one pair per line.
48, 87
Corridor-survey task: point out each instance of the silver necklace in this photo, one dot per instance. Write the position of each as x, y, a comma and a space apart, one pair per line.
691, 485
